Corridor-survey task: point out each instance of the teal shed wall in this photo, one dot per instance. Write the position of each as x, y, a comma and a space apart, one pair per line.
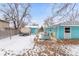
60, 32
75, 32
49, 30
34, 30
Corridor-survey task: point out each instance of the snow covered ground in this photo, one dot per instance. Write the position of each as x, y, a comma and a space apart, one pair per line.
16, 44
72, 50
24, 45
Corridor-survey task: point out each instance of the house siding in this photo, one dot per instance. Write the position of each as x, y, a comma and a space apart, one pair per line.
75, 32
49, 30
4, 24
60, 32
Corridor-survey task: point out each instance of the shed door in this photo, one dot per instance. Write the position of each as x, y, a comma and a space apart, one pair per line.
67, 33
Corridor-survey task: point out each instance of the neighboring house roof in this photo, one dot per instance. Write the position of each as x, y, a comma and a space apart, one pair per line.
70, 23
4, 21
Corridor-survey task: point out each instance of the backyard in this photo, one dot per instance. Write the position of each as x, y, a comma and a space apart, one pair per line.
25, 46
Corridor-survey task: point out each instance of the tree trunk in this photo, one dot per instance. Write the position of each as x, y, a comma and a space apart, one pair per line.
15, 25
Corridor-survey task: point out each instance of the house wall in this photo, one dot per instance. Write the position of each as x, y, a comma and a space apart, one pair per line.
4, 33
4, 24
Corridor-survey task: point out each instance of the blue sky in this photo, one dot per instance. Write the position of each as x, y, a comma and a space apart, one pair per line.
40, 11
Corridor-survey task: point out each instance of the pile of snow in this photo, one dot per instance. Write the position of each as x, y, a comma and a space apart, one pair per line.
16, 44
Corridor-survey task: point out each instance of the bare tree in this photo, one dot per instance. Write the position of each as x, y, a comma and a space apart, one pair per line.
63, 11
48, 22
16, 12
74, 15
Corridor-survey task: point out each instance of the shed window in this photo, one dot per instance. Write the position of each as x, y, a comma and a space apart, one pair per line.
67, 29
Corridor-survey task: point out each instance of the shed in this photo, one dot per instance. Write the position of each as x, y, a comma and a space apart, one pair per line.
34, 29
68, 30
65, 30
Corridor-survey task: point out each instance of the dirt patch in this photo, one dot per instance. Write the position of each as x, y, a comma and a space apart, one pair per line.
58, 48
50, 49
68, 42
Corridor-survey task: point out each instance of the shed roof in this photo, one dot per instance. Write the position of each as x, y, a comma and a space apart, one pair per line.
32, 26
70, 23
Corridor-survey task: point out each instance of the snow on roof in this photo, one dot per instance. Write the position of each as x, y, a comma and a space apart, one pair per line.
70, 23
32, 26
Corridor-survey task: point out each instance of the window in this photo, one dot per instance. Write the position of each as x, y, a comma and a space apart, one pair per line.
67, 29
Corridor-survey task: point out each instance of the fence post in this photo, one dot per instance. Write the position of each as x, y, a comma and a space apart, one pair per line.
10, 33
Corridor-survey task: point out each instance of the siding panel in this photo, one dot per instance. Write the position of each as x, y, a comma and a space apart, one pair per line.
75, 32
34, 30
60, 32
